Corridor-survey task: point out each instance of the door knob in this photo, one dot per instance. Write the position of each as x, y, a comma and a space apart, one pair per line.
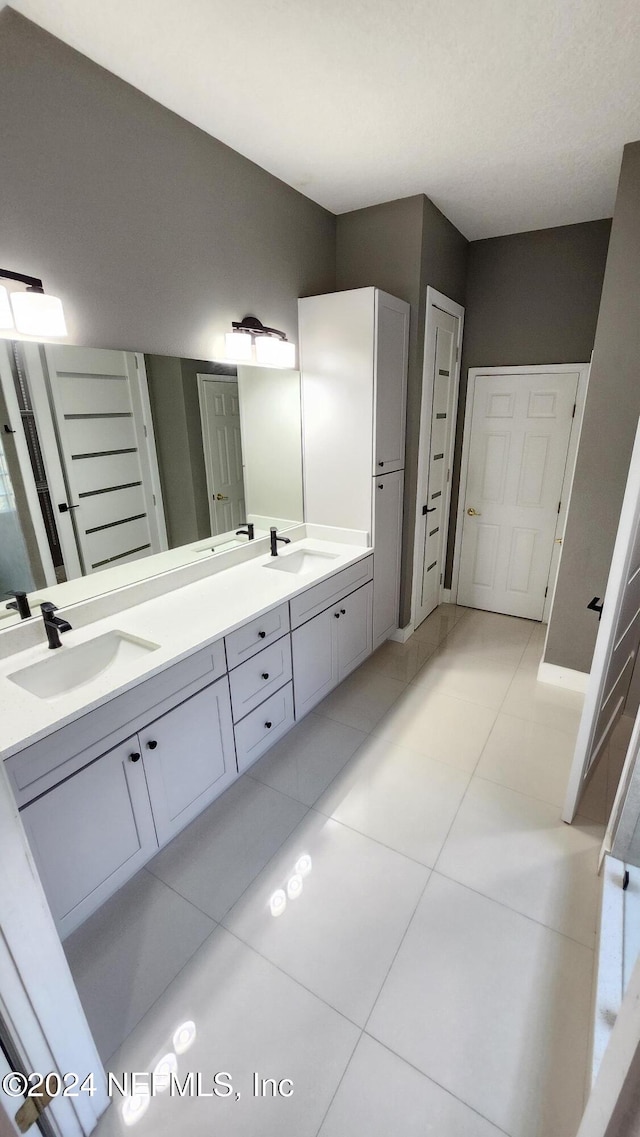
134, 757
151, 744
265, 674
221, 497
471, 512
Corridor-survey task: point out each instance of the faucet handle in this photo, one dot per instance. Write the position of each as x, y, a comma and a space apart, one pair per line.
47, 607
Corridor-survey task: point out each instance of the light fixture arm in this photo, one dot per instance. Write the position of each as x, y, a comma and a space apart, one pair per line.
255, 327
33, 283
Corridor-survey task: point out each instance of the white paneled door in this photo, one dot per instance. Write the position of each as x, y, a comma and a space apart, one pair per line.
220, 415
517, 456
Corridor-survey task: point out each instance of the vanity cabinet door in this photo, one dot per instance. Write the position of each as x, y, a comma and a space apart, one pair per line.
387, 541
315, 661
354, 630
91, 833
189, 758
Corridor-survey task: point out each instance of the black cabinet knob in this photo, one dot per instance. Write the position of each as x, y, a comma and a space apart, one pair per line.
151, 744
265, 674
343, 611
380, 486
381, 463
134, 757
337, 615
262, 635
268, 725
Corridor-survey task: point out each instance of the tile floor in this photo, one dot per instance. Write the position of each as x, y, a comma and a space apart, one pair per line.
386, 910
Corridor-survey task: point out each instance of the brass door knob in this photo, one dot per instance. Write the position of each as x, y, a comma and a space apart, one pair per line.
473, 512
221, 497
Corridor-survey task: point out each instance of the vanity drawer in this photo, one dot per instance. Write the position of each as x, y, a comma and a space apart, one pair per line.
256, 679
252, 637
253, 736
316, 599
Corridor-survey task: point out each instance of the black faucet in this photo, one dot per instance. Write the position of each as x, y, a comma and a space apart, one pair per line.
274, 541
21, 605
53, 625
248, 532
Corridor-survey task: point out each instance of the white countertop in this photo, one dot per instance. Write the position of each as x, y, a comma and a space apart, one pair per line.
181, 622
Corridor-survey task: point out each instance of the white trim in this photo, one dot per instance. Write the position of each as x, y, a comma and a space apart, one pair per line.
563, 677
446, 596
538, 369
438, 300
24, 462
401, 635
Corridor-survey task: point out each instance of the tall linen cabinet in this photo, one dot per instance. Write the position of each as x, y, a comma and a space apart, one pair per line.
353, 361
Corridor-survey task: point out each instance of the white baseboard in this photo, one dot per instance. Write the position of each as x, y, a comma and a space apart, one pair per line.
445, 596
563, 677
401, 635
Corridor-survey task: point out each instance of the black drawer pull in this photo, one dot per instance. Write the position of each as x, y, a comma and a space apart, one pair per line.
262, 635
134, 757
265, 674
268, 725
151, 744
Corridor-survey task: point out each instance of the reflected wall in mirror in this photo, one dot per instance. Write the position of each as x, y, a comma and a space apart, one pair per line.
117, 465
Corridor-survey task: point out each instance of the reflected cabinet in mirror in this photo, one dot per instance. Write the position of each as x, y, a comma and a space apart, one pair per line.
117, 465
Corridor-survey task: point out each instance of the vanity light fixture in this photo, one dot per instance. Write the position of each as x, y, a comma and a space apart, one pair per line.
252, 342
32, 311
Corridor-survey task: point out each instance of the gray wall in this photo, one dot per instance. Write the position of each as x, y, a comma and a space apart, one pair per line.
401, 247
154, 234
610, 420
531, 298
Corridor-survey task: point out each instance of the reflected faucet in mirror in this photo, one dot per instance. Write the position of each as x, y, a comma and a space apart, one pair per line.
119, 465
20, 605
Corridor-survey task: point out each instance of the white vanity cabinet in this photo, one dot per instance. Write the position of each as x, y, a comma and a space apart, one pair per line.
90, 833
353, 362
329, 646
188, 756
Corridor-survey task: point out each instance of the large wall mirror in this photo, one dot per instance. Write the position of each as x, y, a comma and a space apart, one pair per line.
118, 465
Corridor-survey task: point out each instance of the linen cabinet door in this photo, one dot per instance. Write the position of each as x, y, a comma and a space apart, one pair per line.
354, 630
387, 550
90, 833
315, 661
392, 339
189, 758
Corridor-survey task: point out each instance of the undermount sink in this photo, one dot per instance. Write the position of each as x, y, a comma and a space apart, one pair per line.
301, 561
70, 667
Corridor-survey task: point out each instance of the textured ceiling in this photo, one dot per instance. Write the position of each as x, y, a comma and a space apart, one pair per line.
509, 114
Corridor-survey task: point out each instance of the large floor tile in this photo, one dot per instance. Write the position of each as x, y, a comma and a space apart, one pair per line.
400, 661
304, 762
528, 756
493, 1007
398, 797
543, 702
439, 623
489, 634
517, 851
439, 726
128, 952
342, 926
471, 677
246, 1017
212, 861
362, 699
380, 1095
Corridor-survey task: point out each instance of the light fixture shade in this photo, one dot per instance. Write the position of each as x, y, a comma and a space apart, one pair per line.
238, 346
273, 352
6, 315
37, 314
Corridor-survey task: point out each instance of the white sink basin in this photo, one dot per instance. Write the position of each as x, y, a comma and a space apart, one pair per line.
301, 561
70, 667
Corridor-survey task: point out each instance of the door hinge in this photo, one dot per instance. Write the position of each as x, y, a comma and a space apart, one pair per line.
30, 1110
440, 578
448, 473
546, 590
146, 433
457, 352
154, 499
573, 413
559, 504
